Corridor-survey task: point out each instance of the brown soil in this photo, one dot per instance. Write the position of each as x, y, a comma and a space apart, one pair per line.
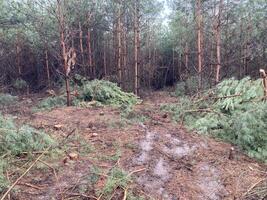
174, 163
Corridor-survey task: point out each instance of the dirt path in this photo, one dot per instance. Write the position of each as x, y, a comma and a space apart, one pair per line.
178, 164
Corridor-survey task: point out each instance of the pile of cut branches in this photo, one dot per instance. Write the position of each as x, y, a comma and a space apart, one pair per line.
235, 111
87, 93
16, 142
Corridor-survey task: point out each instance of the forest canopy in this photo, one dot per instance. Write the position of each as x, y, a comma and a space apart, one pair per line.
138, 44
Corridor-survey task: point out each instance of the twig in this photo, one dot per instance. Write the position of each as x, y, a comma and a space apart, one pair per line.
81, 195
30, 185
125, 194
223, 97
16, 182
55, 174
135, 171
100, 196
253, 186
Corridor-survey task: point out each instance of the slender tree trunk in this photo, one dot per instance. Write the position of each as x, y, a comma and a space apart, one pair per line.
218, 42
18, 51
125, 46
199, 41
47, 69
90, 58
247, 44
81, 46
136, 47
119, 65
173, 65
114, 51
241, 49
66, 67
105, 58
186, 56
94, 44
227, 33
149, 59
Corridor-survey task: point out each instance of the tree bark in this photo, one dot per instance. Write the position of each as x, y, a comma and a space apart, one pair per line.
47, 69
136, 47
105, 58
90, 58
218, 42
119, 47
18, 51
186, 56
199, 41
149, 59
66, 67
81, 46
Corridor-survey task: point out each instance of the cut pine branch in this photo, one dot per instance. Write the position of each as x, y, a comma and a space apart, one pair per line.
26, 172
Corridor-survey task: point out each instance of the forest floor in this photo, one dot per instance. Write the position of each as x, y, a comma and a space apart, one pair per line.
163, 159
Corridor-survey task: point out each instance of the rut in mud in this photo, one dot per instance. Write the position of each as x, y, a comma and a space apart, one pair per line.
163, 155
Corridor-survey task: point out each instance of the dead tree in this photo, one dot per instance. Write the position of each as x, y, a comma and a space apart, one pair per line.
68, 54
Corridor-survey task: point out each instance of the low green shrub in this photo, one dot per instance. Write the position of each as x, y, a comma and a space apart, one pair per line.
7, 99
190, 86
116, 178
20, 84
50, 103
180, 89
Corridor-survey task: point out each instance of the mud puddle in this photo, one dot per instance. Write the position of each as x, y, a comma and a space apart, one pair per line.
161, 170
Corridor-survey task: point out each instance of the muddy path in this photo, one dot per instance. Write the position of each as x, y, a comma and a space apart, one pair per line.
176, 164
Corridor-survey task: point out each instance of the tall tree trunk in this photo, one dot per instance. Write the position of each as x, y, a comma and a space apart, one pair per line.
81, 47
90, 58
47, 69
218, 42
66, 67
186, 56
18, 52
149, 59
136, 47
105, 57
199, 41
119, 65
241, 49
173, 65
125, 47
